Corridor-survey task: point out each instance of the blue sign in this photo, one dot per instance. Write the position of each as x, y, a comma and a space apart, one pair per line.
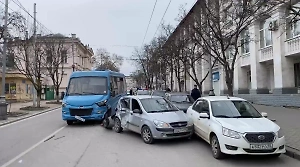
216, 76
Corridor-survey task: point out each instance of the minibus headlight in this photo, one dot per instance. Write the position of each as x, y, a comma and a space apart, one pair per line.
101, 103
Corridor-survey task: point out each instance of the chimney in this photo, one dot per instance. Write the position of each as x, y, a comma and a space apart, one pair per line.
73, 35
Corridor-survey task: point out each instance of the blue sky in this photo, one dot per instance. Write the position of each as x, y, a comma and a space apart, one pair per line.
110, 24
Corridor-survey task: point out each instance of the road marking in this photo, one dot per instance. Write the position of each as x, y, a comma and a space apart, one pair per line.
29, 118
31, 148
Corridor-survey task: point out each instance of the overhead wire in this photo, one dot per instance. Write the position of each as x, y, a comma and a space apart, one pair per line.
18, 3
162, 18
149, 22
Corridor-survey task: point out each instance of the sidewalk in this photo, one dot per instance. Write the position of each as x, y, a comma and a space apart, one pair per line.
289, 120
15, 107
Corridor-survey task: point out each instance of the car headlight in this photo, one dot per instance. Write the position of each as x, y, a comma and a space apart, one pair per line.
161, 124
101, 103
280, 133
230, 133
63, 104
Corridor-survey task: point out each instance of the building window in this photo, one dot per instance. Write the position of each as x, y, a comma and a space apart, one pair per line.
245, 41
64, 56
28, 89
265, 34
10, 88
293, 24
230, 52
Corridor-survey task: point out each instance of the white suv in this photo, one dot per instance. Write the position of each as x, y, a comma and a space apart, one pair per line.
232, 125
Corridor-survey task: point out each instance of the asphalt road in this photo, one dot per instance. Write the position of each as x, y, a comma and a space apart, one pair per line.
90, 145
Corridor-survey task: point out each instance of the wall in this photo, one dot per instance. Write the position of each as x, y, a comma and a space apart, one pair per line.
21, 89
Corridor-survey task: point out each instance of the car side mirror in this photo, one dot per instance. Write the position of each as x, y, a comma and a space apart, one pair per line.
137, 111
204, 115
264, 114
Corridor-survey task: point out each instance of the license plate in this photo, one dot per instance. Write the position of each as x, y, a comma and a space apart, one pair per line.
261, 146
79, 118
180, 130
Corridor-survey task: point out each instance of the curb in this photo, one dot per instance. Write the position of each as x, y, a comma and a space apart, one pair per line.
293, 153
28, 116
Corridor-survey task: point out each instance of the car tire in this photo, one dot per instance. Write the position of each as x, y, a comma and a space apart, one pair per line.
146, 135
70, 122
117, 125
106, 123
215, 148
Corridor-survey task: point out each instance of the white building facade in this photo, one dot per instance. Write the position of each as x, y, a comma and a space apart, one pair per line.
268, 69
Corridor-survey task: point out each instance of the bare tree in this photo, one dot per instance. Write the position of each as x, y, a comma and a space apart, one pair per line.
219, 25
108, 61
144, 59
29, 61
193, 56
56, 49
294, 8
138, 77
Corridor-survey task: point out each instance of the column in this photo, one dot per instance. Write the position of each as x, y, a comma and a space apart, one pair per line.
283, 66
223, 86
240, 85
205, 84
258, 70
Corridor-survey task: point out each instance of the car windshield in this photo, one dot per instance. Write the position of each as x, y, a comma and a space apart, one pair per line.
87, 86
180, 98
153, 105
142, 92
234, 109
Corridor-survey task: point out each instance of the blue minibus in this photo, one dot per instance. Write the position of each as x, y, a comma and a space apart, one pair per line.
92, 95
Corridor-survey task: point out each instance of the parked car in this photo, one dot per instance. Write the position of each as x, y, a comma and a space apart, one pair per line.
142, 92
153, 117
233, 126
161, 93
181, 100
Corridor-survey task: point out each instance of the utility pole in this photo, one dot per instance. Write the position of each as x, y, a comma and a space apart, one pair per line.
3, 111
34, 51
211, 88
73, 66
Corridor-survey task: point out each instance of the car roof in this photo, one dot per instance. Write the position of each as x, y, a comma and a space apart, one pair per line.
221, 98
142, 97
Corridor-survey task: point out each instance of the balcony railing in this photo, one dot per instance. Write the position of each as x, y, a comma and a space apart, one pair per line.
292, 46
266, 54
245, 60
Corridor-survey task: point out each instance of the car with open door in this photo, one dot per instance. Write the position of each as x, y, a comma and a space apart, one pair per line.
231, 125
153, 117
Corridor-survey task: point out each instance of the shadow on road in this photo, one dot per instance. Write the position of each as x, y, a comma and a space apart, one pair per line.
250, 160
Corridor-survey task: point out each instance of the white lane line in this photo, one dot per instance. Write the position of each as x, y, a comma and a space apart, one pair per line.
31, 148
29, 118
